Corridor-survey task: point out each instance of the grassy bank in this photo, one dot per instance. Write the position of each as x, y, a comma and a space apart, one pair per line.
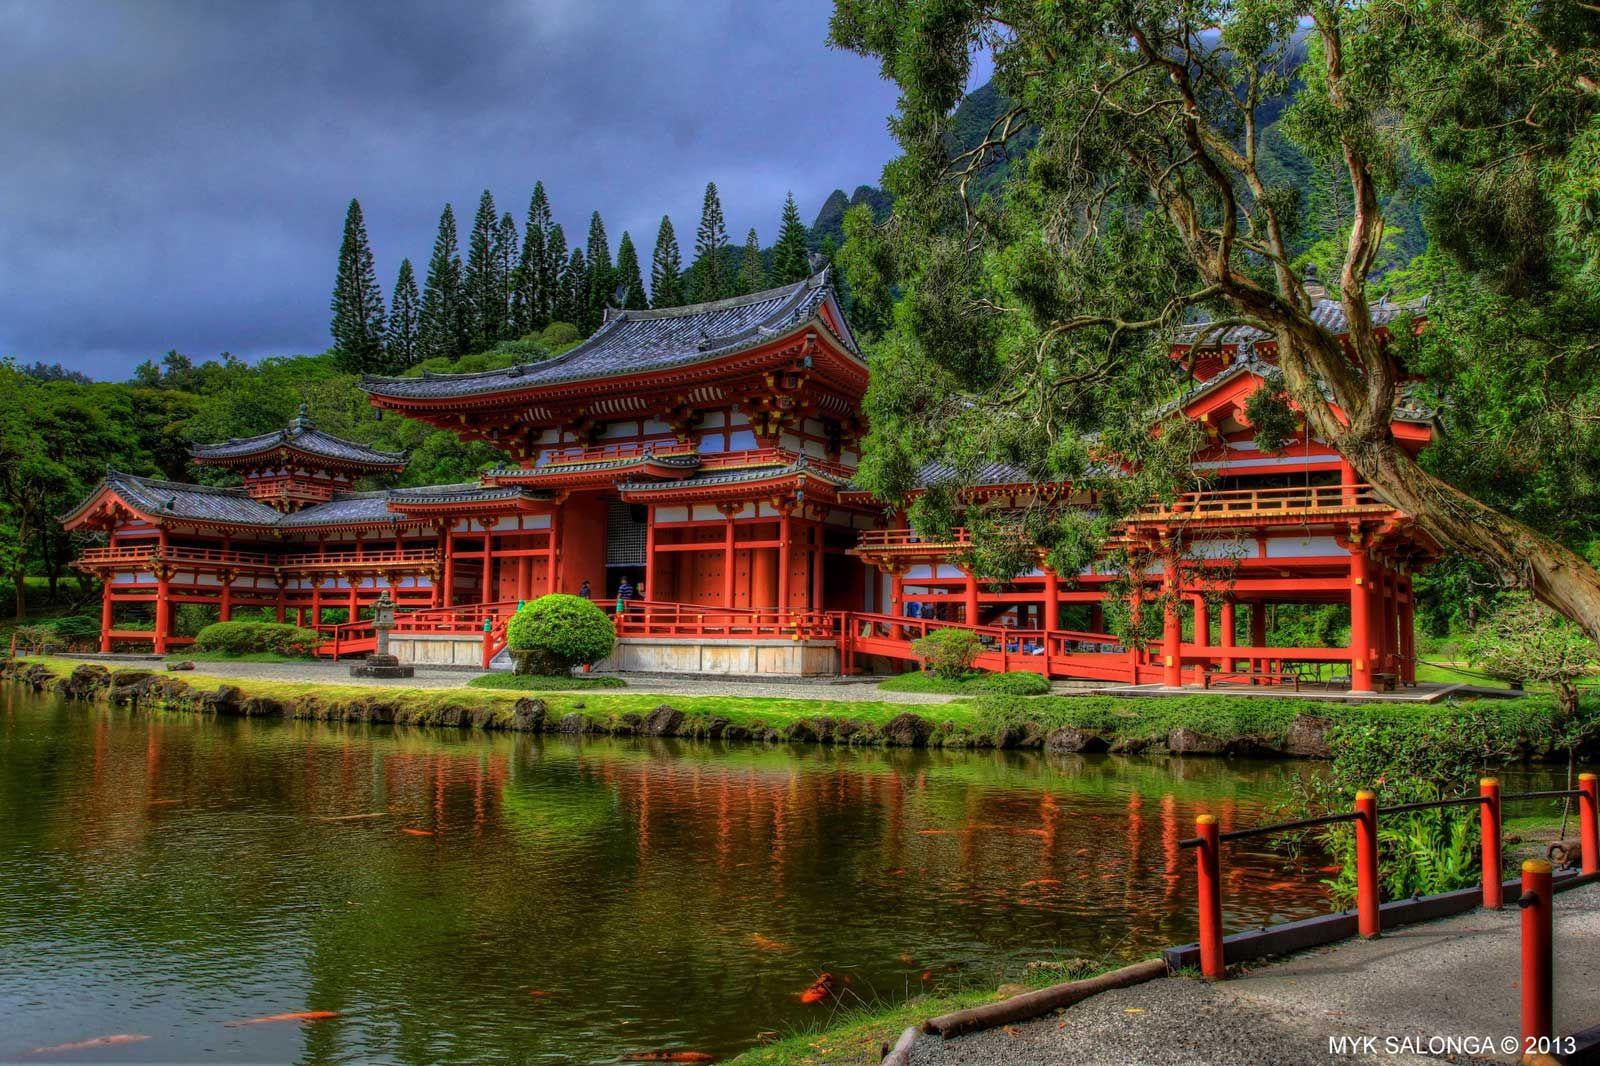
1201, 724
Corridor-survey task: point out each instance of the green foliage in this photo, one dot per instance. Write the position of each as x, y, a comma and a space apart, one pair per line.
442, 325
560, 335
1020, 683
752, 268
563, 631
708, 277
1273, 420
240, 638
790, 257
666, 268
634, 297
949, 653
1522, 641
77, 628
405, 316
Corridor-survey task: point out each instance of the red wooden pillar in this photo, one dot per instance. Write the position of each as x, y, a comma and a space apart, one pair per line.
316, 602
1135, 617
354, 582
727, 558
1171, 625
816, 566
1202, 622
1225, 624
107, 612
650, 590
1050, 612
163, 608
784, 532
1347, 481
1360, 620
449, 577
486, 587
897, 592
1097, 618
225, 608
1408, 634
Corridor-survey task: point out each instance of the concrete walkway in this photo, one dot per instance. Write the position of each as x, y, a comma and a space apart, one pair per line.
844, 690
1453, 978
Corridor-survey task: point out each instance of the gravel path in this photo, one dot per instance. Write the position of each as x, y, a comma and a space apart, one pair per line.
331, 673
1457, 977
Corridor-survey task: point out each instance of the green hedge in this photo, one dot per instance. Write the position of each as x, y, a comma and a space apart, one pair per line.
246, 638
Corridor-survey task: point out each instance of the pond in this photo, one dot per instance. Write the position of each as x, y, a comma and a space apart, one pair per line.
458, 895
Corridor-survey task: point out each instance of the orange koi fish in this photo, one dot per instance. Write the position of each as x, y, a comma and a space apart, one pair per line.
292, 1016
819, 990
408, 831
766, 943
669, 1056
1040, 881
93, 1042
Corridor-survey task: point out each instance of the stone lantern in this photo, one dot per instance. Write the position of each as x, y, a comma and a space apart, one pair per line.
380, 663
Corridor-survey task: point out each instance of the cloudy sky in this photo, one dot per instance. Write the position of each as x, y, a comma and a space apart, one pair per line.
175, 174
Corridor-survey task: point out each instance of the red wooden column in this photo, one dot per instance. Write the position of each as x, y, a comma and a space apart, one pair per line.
1408, 633
785, 531
1171, 624
487, 584
352, 580
1360, 620
1202, 622
1135, 617
316, 601
448, 542
650, 590
1258, 631
897, 594
1225, 624
1050, 614
107, 612
225, 608
727, 555
163, 595
816, 567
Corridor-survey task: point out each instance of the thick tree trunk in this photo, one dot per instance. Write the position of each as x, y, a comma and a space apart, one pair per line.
1556, 575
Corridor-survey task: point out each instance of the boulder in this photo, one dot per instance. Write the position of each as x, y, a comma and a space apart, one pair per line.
1070, 740
573, 723
907, 730
225, 700
260, 707
1188, 742
735, 732
627, 725
1307, 737
717, 728
527, 715
85, 683
186, 664
663, 722
802, 731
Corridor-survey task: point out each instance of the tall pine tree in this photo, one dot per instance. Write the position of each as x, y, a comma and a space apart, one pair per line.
791, 260
483, 290
505, 261
709, 275
439, 331
357, 300
574, 295
633, 299
405, 318
752, 271
602, 276
666, 268
555, 248
531, 302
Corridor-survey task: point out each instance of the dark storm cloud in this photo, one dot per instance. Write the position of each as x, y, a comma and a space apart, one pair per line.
174, 175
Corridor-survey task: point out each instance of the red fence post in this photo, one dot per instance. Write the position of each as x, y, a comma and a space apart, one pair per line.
1489, 821
1537, 1020
1209, 861
1589, 821
1367, 863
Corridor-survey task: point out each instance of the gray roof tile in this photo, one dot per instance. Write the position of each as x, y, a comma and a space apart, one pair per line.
633, 341
302, 435
1329, 314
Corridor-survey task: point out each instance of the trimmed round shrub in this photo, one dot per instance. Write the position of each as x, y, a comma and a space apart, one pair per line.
1021, 683
77, 628
554, 633
948, 652
246, 638
559, 333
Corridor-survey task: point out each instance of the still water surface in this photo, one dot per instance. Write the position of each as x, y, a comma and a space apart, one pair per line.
462, 896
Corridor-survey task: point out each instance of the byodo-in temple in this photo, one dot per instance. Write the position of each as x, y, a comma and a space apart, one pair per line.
701, 458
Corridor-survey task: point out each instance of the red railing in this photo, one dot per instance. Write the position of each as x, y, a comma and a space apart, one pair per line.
1215, 951
910, 538
649, 619
614, 452
136, 554
1248, 503
377, 558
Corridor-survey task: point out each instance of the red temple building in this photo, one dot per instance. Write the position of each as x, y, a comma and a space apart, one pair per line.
703, 456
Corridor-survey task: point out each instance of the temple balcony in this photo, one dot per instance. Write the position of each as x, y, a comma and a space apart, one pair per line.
1235, 507
385, 559
137, 555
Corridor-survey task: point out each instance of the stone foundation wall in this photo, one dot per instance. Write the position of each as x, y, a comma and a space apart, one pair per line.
687, 655
437, 649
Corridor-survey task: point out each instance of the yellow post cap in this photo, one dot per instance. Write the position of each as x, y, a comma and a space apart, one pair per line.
1586, 777
1205, 819
1488, 781
1366, 794
1535, 866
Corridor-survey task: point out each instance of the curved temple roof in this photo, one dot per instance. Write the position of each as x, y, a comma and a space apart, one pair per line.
303, 436
631, 342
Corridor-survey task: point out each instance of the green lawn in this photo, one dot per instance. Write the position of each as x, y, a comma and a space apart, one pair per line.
544, 682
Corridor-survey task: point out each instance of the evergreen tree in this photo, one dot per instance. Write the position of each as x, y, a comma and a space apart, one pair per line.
481, 282
752, 271
555, 258
506, 255
357, 301
790, 258
439, 331
555, 248
574, 295
708, 276
601, 278
531, 299
628, 275
666, 268
405, 314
